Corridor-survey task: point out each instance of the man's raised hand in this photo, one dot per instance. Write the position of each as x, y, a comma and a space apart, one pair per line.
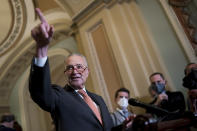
42, 33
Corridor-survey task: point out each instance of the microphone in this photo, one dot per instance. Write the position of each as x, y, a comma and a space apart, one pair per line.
151, 108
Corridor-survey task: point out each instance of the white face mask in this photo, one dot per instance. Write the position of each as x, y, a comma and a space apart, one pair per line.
123, 102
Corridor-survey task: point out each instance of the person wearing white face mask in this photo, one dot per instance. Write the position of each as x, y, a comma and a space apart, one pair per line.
121, 112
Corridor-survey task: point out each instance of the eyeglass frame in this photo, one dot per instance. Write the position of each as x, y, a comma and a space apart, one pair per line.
75, 68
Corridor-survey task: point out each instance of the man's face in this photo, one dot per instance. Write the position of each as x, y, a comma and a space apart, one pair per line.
121, 95
76, 71
157, 78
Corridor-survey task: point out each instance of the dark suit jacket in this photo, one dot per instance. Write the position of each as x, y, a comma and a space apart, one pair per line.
3, 128
68, 110
175, 103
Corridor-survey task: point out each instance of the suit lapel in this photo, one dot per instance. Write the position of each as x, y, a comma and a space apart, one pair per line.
75, 95
82, 103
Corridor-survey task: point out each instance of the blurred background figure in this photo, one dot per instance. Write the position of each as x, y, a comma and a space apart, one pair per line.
190, 82
121, 113
170, 101
7, 122
17, 126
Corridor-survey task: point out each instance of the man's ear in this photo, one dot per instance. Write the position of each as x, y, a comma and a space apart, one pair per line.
88, 70
165, 82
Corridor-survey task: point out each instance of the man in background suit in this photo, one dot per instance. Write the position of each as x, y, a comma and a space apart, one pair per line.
121, 113
172, 101
66, 105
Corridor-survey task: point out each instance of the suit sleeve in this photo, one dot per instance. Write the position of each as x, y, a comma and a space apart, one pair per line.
40, 87
176, 102
180, 101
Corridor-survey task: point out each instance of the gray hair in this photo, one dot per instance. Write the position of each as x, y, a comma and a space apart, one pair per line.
77, 54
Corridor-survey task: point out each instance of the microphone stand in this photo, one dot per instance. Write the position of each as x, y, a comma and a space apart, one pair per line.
151, 108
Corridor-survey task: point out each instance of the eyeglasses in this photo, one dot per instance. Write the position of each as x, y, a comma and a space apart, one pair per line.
78, 67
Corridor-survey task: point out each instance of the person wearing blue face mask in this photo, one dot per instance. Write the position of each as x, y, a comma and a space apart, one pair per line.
121, 113
170, 101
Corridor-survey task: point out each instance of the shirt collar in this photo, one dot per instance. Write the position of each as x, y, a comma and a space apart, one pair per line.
120, 110
82, 89
78, 89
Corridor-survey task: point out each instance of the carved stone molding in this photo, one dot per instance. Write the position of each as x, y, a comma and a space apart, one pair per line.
90, 10
179, 2
187, 18
18, 22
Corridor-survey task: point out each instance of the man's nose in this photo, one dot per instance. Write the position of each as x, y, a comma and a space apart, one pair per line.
74, 70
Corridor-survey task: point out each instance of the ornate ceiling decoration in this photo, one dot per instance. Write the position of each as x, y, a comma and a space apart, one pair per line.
16, 16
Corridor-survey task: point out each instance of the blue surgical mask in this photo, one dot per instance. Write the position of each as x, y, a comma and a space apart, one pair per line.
160, 87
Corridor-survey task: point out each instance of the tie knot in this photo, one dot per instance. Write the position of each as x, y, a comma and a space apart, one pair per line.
82, 92
126, 113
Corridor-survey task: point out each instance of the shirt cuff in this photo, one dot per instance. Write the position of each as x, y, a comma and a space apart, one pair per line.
40, 61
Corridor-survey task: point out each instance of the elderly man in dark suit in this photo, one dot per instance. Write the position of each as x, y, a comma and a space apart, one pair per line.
72, 108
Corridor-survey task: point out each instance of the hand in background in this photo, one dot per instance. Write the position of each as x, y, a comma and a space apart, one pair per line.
128, 122
160, 98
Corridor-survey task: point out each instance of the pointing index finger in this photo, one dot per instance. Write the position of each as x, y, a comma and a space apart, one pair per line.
41, 16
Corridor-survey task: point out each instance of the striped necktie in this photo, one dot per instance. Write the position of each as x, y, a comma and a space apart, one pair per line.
91, 104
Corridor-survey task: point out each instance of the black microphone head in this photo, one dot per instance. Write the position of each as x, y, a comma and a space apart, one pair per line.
133, 102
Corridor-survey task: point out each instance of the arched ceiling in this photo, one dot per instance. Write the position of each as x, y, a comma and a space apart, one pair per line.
15, 13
